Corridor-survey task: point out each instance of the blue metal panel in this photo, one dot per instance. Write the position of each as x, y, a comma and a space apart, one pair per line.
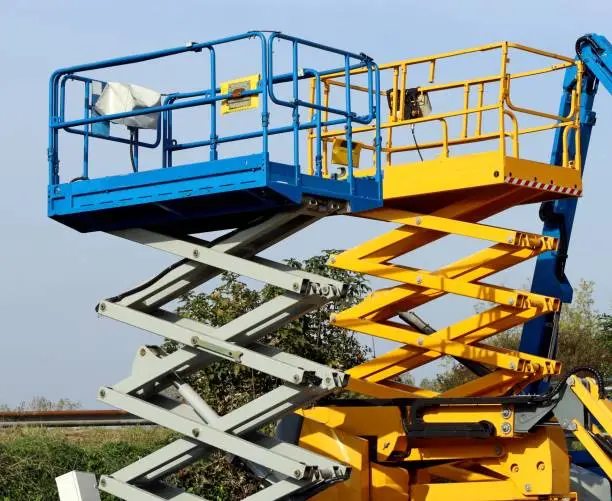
237, 185
159, 185
585, 460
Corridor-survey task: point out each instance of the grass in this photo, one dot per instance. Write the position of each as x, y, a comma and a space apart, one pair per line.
31, 458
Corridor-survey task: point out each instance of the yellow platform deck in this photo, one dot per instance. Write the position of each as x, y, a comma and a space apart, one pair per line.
428, 186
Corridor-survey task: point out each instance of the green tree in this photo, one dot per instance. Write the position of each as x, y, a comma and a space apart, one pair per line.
43, 404
605, 323
585, 338
226, 386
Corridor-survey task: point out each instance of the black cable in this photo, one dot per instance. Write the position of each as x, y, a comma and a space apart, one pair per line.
416, 142
598, 376
586, 40
133, 133
580, 43
146, 284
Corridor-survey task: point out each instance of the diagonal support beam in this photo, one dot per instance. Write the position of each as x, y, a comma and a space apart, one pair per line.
186, 274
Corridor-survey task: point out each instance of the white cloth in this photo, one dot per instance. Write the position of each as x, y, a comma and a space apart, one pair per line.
121, 97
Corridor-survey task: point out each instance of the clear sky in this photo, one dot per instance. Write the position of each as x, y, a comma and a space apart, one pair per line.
53, 343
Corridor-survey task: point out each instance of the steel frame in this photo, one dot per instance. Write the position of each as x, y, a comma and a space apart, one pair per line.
464, 277
288, 469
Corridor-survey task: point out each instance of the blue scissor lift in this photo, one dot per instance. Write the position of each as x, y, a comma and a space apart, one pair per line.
263, 201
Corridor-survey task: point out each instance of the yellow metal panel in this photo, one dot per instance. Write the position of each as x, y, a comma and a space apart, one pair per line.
340, 152
454, 449
457, 474
364, 421
381, 391
442, 174
496, 383
351, 450
537, 463
388, 483
478, 170
481, 491
542, 172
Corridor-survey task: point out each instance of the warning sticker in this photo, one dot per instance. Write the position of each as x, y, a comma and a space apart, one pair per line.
236, 88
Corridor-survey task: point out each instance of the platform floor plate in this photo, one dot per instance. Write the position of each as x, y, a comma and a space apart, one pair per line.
427, 186
199, 197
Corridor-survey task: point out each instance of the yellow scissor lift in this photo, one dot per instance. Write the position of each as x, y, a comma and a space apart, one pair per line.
451, 194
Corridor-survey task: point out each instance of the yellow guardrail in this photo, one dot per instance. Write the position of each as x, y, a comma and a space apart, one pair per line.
505, 107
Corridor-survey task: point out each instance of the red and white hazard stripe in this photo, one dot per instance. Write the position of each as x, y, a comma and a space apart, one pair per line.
564, 190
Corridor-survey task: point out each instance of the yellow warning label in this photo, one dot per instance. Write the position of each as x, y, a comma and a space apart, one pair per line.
236, 88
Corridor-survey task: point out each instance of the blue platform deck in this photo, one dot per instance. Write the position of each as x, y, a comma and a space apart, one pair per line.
197, 197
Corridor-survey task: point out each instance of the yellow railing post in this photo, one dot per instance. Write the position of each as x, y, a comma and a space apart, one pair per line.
444, 138
402, 106
503, 87
311, 133
432, 70
392, 115
466, 105
325, 169
515, 133
578, 91
479, 105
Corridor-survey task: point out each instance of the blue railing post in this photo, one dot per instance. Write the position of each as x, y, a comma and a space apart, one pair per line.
52, 153
319, 150
165, 138
86, 110
265, 114
213, 106
169, 151
349, 126
296, 114
378, 139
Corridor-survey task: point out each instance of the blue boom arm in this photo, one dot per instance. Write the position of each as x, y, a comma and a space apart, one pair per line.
540, 335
